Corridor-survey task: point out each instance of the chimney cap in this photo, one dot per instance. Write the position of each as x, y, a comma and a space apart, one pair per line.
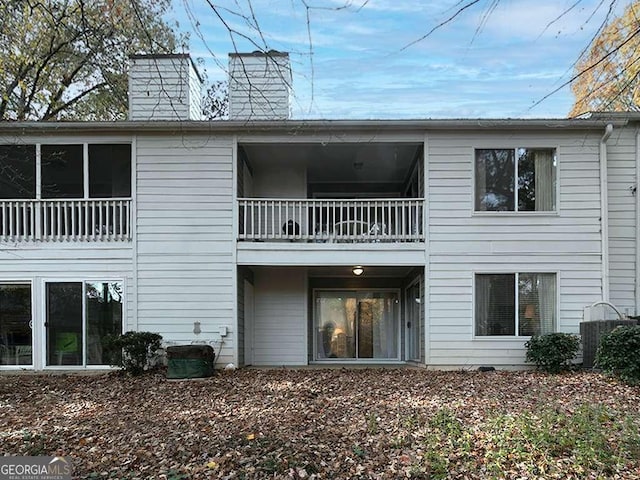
260, 53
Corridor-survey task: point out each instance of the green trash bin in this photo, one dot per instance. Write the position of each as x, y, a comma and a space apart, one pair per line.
190, 361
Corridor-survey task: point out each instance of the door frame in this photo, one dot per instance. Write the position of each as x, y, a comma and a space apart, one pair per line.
314, 318
43, 318
409, 332
249, 319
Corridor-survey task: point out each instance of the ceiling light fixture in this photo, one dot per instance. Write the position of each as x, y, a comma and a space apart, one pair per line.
357, 270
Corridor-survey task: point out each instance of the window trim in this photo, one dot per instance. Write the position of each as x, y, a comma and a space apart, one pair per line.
511, 338
520, 213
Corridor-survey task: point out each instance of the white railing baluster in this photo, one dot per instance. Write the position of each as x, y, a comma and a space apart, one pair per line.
253, 219
280, 232
11, 227
5, 220
120, 223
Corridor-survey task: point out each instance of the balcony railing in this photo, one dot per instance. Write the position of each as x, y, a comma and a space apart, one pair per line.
65, 220
341, 221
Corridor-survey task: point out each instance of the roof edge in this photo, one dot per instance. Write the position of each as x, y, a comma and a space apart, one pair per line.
266, 126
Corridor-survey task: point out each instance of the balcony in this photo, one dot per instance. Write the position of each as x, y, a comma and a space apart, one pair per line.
65, 220
331, 221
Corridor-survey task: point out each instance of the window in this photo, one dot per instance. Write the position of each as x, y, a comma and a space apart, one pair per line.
515, 179
516, 302
15, 324
62, 171
110, 171
17, 171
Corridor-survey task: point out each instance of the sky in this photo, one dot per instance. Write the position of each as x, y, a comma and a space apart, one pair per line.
497, 59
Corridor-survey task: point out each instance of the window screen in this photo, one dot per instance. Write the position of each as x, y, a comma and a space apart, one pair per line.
17, 171
62, 171
110, 171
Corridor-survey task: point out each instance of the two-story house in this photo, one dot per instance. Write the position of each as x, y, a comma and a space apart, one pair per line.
442, 243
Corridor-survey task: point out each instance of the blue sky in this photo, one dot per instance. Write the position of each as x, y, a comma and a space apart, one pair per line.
487, 63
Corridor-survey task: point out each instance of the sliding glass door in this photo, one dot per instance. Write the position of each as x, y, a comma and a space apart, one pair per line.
16, 339
79, 317
352, 325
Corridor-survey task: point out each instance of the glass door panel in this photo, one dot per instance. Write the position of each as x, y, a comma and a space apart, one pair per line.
104, 317
336, 323
356, 325
16, 340
64, 323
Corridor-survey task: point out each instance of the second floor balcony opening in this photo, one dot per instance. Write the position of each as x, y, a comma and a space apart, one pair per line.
331, 193
65, 192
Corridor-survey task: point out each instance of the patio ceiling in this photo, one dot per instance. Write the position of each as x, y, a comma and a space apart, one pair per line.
345, 163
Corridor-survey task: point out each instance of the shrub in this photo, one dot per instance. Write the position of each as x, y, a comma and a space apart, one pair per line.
619, 353
552, 352
132, 350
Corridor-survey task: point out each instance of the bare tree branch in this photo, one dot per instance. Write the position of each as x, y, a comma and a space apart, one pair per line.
441, 24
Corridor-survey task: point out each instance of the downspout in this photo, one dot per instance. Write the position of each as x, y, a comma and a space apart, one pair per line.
604, 211
637, 192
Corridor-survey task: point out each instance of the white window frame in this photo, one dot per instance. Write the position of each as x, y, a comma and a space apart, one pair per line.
33, 329
554, 212
43, 309
516, 293
419, 282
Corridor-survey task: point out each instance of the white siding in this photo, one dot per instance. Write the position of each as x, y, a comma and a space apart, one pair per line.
279, 180
462, 243
259, 86
163, 88
621, 157
185, 238
280, 328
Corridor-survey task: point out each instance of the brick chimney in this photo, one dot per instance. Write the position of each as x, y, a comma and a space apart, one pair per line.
259, 86
164, 87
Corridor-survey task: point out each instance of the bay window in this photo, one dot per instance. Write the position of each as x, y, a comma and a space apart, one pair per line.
515, 304
515, 179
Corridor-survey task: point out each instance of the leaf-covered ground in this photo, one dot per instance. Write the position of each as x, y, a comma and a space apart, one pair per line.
328, 423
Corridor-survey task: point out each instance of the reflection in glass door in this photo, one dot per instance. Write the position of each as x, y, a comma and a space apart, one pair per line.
16, 339
80, 315
356, 324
